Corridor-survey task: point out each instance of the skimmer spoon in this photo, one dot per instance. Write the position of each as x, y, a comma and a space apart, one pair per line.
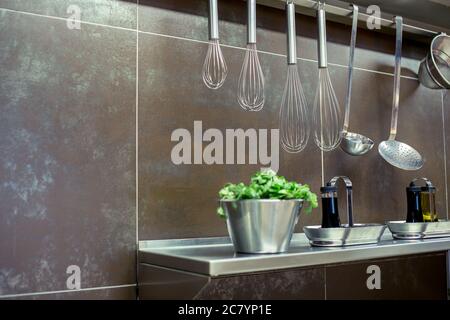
397, 153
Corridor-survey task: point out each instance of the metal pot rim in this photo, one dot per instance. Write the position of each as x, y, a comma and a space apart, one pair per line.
345, 226
403, 222
438, 37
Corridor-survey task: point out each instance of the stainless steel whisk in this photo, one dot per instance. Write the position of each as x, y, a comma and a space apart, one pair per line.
294, 119
327, 114
251, 80
215, 68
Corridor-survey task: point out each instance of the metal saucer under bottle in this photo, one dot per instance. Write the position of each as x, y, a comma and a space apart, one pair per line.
402, 230
421, 218
332, 233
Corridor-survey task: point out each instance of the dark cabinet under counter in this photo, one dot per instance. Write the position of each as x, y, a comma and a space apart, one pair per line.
209, 269
162, 283
421, 277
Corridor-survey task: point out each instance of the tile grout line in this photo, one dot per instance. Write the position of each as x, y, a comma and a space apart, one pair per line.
196, 41
67, 19
137, 145
65, 291
445, 153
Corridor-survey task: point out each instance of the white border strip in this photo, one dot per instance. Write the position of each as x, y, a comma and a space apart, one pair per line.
66, 291
196, 41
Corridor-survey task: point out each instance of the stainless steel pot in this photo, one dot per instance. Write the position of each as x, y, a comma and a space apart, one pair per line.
263, 225
434, 70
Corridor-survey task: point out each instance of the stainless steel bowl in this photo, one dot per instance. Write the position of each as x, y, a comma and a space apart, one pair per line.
261, 226
356, 144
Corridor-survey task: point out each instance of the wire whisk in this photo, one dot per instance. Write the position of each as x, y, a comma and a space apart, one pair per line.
215, 68
327, 118
327, 114
294, 117
251, 80
294, 120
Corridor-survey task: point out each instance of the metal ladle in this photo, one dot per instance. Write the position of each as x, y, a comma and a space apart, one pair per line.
354, 144
397, 153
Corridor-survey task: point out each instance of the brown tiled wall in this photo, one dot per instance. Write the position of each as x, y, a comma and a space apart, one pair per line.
68, 131
67, 141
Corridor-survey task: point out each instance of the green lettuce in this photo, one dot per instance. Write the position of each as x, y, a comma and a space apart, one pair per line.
267, 185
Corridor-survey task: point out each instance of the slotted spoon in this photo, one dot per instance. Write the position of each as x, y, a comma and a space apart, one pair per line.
397, 153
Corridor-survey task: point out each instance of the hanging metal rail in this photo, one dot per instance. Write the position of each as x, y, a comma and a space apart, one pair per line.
340, 11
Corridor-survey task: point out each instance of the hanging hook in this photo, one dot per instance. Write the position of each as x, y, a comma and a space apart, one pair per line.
354, 8
320, 4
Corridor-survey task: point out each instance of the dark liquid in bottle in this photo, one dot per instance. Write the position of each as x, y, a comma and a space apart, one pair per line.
414, 206
330, 213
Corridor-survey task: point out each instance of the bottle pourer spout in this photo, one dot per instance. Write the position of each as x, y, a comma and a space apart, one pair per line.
349, 188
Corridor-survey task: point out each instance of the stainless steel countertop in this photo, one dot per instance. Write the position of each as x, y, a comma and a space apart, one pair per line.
216, 256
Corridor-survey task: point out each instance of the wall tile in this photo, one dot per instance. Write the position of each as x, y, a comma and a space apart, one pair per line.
180, 200
68, 154
120, 13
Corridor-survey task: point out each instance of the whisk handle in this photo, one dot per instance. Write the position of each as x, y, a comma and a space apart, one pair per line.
291, 33
350, 66
213, 20
322, 43
251, 21
397, 71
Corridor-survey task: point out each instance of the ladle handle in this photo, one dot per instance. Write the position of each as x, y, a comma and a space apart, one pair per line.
251, 21
350, 67
291, 34
398, 67
213, 20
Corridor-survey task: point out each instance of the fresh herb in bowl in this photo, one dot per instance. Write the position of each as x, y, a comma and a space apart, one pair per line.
267, 185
